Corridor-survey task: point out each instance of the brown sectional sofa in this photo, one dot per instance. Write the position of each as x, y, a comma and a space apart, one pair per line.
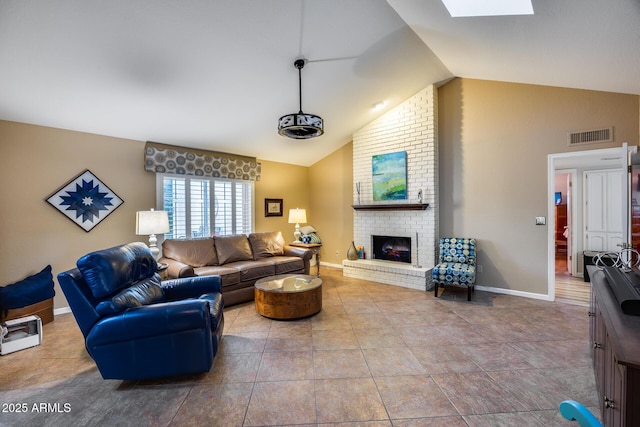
239, 260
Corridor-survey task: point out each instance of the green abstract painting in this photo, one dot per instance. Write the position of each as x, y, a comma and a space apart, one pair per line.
390, 176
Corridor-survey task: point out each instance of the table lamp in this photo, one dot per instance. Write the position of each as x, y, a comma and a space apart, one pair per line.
152, 223
296, 216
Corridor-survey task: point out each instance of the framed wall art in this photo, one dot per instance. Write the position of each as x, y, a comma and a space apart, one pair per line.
272, 207
389, 176
85, 200
558, 198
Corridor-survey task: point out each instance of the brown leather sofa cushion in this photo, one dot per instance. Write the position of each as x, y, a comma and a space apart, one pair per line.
228, 276
267, 244
250, 271
194, 252
233, 248
285, 264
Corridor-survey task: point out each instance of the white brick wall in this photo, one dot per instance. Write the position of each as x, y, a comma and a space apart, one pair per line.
391, 273
410, 127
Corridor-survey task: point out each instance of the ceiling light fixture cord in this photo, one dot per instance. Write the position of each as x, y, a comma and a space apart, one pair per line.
299, 64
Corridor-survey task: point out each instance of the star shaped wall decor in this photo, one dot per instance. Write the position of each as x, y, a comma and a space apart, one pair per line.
85, 200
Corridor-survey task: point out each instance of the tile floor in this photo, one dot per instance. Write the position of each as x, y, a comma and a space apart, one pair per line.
376, 355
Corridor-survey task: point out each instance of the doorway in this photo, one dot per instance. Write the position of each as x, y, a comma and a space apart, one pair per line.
570, 286
565, 285
563, 199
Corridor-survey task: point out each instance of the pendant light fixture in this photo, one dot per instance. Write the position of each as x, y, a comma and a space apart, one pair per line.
300, 125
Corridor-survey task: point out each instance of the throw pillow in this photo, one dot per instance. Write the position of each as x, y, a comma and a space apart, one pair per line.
144, 292
28, 291
313, 238
307, 229
196, 252
267, 244
233, 248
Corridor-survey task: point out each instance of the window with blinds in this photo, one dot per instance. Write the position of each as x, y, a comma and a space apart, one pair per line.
202, 207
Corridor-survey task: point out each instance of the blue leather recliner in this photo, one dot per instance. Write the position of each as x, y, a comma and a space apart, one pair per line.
137, 327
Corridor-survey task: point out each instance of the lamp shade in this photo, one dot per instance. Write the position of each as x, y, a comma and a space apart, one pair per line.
297, 216
152, 222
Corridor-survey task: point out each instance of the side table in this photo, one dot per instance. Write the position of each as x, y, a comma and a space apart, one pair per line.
315, 249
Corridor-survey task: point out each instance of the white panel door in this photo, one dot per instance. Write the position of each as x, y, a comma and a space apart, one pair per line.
603, 197
596, 241
595, 201
614, 241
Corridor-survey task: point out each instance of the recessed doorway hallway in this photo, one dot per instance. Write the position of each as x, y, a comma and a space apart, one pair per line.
570, 289
567, 241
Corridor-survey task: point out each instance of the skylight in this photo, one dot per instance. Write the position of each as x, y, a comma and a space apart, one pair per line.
460, 8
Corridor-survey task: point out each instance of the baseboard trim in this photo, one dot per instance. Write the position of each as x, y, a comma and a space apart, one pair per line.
328, 264
543, 297
63, 310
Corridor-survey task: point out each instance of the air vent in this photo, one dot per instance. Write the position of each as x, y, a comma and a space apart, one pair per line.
591, 136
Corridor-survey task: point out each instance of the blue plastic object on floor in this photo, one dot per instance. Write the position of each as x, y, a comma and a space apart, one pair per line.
576, 411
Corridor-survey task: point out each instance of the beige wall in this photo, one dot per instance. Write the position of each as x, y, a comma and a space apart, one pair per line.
494, 139
35, 162
289, 183
331, 197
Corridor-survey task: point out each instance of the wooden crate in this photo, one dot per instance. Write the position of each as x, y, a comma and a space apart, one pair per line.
43, 309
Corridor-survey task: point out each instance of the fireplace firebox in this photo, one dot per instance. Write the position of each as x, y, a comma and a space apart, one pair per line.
391, 248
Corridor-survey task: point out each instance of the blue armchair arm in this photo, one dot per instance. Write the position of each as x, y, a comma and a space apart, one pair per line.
191, 287
151, 320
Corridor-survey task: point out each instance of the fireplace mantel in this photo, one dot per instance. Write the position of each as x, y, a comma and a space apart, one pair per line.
392, 207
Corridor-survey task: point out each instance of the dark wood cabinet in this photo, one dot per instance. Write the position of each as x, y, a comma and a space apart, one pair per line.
615, 338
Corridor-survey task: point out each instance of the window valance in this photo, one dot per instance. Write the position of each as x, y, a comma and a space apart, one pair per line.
162, 158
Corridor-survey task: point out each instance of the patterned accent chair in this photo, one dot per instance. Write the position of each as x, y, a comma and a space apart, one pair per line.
456, 265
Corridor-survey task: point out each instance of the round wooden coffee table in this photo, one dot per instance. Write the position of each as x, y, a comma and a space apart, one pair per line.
288, 296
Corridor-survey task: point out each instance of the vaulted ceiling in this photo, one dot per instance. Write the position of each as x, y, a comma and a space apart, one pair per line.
217, 74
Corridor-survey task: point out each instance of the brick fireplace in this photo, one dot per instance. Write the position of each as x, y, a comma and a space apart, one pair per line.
410, 127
